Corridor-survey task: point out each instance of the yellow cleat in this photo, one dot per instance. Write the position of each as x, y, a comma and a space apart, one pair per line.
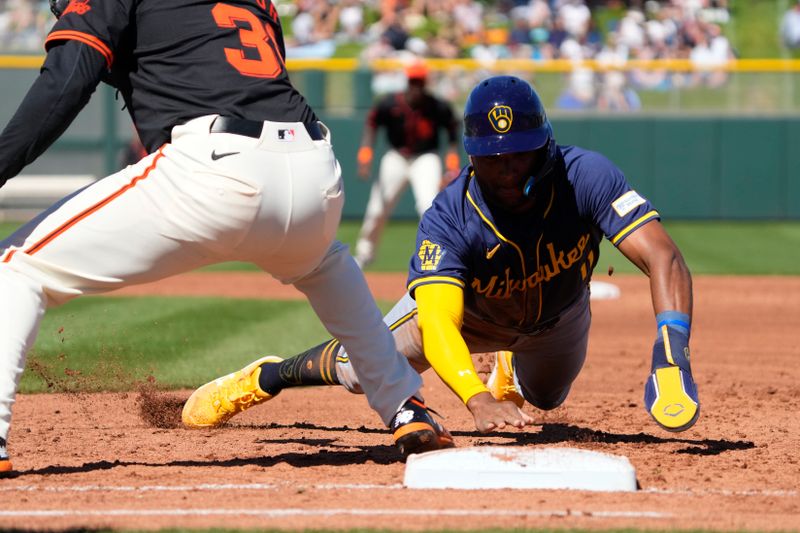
218, 401
501, 381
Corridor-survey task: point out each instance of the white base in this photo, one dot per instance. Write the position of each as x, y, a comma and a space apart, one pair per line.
602, 290
496, 467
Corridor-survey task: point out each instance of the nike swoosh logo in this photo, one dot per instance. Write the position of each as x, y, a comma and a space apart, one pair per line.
215, 155
490, 253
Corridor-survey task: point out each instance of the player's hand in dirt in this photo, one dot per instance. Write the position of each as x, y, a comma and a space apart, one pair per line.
489, 414
670, 393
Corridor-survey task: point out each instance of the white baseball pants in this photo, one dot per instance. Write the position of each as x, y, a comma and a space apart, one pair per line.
423, 172
274, 201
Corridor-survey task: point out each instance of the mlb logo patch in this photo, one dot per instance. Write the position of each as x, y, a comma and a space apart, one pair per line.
286, 135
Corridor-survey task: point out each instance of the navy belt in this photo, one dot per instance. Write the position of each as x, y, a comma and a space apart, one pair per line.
252, 128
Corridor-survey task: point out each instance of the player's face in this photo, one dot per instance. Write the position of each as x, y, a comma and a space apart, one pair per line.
415, 91
503, 177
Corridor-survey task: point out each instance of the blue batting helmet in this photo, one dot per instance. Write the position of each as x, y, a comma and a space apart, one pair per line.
504, 115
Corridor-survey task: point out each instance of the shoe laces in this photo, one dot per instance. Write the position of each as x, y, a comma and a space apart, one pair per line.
426, 411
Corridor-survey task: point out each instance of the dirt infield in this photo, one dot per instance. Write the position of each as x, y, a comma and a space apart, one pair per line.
319, 458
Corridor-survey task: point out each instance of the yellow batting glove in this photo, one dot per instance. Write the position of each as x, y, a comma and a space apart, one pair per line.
670, 394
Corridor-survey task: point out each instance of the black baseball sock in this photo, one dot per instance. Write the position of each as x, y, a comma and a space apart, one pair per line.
316, 366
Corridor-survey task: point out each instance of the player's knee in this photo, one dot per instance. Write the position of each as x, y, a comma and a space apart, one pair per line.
546, 405
546, 402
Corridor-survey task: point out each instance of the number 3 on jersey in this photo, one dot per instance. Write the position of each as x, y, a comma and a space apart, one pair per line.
258, 36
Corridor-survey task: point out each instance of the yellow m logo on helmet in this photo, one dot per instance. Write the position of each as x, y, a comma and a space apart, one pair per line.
501, 117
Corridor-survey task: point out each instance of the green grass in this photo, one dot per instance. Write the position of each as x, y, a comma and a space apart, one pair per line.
754, 28
103, 343
713, 247
726, 248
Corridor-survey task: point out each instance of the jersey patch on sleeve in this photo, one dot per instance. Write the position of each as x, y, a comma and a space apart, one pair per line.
430, 254
79, 7
627, 203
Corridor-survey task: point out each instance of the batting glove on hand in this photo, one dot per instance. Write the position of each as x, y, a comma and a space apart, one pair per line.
670, 394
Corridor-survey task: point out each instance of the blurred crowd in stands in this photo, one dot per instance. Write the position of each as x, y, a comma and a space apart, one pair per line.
790, 27
24, 25
608, 31
529, 29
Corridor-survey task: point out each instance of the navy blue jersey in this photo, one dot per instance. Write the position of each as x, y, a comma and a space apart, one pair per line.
180, 59
521, 271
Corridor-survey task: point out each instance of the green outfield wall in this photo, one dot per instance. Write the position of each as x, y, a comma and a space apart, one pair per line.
691, 166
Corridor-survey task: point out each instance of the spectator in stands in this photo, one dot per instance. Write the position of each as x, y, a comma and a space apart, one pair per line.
351, 20
557, 35
576, 15
20, 29
520, 33
650, 78
790, 27
615, 94
579, 94
468, 18
443, 44
710, 53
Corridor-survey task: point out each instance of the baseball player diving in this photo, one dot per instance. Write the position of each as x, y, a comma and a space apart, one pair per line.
238, 168
503, 263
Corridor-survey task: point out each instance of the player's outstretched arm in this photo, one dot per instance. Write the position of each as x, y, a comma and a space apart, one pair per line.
68, 78
366, 150
441, 311
670, 392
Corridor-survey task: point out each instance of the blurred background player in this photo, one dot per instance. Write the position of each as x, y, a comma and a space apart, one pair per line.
412, 120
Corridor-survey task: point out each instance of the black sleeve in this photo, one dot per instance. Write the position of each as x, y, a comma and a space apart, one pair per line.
68, 78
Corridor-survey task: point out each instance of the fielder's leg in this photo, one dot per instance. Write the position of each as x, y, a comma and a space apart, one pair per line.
425, 175
17, 335
350, 314
340, 296
134, 226
383, 198
327, 363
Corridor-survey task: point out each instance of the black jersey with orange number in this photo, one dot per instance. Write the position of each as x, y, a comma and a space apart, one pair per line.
179, 59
